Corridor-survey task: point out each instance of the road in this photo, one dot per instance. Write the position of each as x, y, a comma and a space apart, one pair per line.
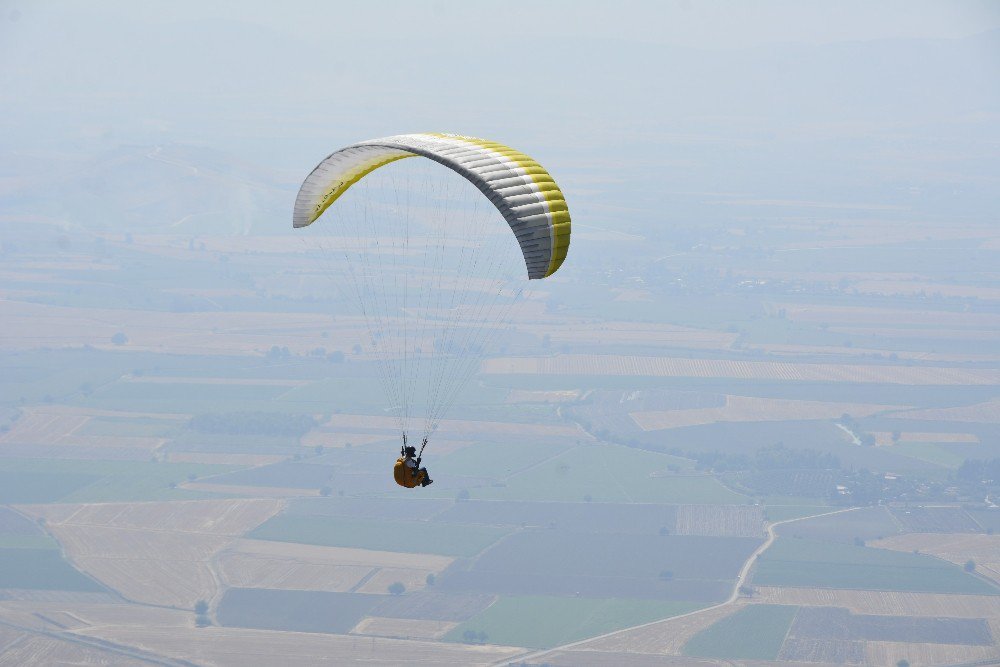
733, 597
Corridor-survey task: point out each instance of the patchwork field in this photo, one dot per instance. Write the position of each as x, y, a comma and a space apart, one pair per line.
833, 623
865, 523
380, 535
720, 520
810, 563
931, 519
610, 473
632, 333
41, 569
890, 653
153, 552
454, 427
884, 602
402, 628
632, 366
30, 326
227, 646
32, 649
862, 315
983, 413
25, 481
542, 622
249, 563
563, 563
530, 396
65, 432
753, 633
886, 438
746, 408
983, 550
665, 637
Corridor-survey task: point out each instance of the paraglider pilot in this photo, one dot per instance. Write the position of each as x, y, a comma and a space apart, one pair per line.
407, 470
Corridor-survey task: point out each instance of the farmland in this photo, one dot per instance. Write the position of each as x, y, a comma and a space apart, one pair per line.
246, 647
864, 524
40, 480
831, 623
606, 473
807, 563
301, 611
669, 567
745, 409
41, 569
605, 478
542, 622
381, 535
583, 365
578, 517
935, 520
885, 602
755, 633
983, 550
150, 552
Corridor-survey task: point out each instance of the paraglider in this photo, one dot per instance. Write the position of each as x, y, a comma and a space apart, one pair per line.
407, 471
429, 322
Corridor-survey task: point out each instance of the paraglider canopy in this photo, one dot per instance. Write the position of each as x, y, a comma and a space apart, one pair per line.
520, 188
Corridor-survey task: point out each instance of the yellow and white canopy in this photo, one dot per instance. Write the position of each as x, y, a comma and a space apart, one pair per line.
524, 193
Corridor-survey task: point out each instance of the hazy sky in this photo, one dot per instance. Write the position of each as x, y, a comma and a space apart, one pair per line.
882, 101
715, 24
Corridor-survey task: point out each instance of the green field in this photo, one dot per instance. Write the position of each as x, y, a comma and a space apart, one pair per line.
543, 622
775, 513
864, 523
611, 473
755, 632
183, 397
46, 480
496, 460
130, 427
356, 396
819, 564
41, 569
931, 452
38, 485
27, 542
381, 535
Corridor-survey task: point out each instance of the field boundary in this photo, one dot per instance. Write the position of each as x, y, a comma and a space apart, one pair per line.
733, 597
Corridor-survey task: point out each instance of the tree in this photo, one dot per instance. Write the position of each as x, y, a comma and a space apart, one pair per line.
397, 588
201, 619
430, 579
970, 565
119, 338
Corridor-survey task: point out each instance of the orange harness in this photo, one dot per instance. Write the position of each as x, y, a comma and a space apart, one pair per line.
406, 476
